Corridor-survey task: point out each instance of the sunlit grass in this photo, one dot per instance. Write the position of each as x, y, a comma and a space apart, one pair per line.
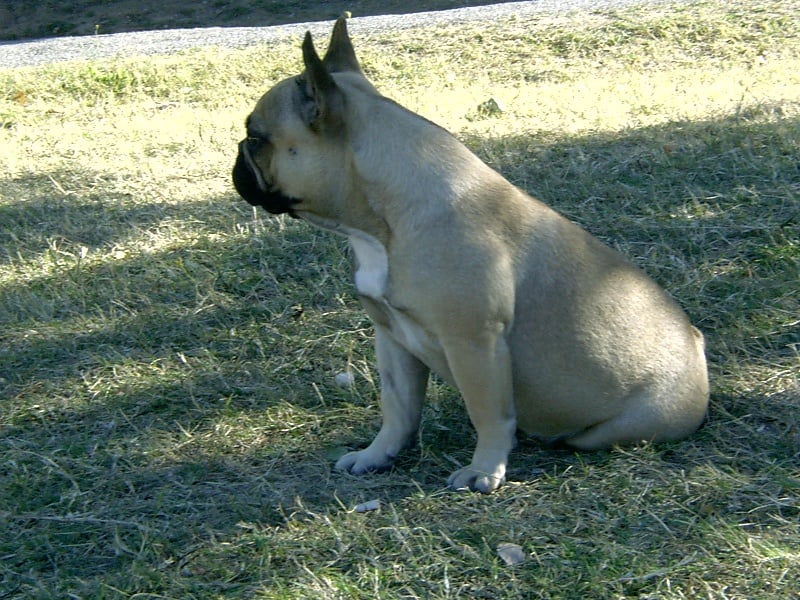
169, 415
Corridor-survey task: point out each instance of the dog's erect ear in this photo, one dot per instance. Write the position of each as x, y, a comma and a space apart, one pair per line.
322, 102
341, 56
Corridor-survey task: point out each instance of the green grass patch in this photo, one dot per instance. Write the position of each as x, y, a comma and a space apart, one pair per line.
168, 411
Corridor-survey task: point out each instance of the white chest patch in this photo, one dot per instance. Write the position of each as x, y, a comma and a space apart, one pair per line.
372, 273
372, 265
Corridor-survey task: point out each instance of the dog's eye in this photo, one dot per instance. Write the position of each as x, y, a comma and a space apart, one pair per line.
255, 136
256, 141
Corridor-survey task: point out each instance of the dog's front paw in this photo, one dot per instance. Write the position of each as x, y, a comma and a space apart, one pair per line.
368, 460
477, 480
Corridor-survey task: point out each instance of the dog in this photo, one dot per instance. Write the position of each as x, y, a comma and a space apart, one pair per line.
539, 325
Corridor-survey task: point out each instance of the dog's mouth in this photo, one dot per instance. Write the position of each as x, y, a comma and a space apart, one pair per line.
251, 184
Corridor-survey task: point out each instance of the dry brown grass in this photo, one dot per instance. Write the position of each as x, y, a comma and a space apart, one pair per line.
169, 415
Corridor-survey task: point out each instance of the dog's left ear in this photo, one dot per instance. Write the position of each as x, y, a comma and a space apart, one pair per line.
323, 102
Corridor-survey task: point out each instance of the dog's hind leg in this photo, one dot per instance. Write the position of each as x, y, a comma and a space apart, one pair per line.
646, 420
403, 381
630, 427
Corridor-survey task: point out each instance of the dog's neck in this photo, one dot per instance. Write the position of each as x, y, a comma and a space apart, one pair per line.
404, 161
402, 166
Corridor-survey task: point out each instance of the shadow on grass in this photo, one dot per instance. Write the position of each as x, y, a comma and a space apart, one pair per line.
118, 375
711, 210
79, 207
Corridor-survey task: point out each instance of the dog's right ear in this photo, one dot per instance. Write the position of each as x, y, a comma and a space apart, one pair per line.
341, 56
322, 101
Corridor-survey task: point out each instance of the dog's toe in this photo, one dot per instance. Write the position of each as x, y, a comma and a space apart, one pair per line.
364, 461
469, 478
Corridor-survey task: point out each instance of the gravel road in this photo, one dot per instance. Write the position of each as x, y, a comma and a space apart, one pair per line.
37, 52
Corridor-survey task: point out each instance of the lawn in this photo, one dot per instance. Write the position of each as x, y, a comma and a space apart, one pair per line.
169, 413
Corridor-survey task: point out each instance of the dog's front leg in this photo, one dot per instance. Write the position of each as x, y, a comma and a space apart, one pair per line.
482, 371
403, 382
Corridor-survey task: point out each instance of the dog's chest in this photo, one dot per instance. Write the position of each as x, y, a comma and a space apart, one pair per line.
371, 278
372, 266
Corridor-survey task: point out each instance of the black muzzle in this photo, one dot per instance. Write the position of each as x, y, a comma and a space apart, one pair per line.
252, 186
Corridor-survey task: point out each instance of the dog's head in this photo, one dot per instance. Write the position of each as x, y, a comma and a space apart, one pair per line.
292, 157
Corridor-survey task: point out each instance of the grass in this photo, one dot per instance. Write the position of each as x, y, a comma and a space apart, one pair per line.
169, 415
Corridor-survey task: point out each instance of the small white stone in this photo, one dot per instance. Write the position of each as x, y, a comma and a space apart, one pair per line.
344, 379
512, 554
368, 506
